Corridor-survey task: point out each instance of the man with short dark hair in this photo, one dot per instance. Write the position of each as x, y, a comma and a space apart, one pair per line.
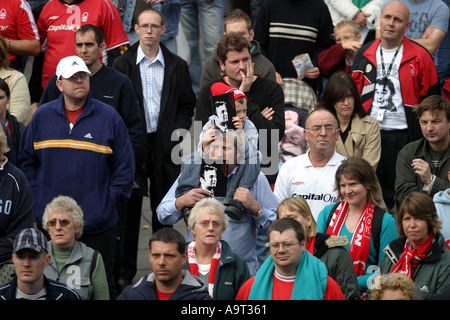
30, 257
290, 272
168, 281
422, 165
265, 105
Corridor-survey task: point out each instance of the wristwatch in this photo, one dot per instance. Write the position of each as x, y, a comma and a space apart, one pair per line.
260, 211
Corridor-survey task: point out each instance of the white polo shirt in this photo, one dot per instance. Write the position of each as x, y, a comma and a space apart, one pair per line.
298, 178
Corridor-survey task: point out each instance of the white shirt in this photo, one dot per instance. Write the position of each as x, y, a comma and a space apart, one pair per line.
388, 101
152, 77
298, 178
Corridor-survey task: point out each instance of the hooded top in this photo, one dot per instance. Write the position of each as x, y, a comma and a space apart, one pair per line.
442, 203
191, 288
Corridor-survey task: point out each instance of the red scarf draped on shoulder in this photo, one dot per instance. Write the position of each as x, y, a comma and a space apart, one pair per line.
193, 264
410, 258
360, 242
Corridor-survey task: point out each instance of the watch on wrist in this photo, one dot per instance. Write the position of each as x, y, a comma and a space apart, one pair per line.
431, 179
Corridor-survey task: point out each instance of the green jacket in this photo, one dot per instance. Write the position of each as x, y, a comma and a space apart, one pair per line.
432, 276
232, 272
331, 251
407, 181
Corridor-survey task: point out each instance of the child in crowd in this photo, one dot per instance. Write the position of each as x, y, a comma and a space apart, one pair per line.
248, 156
340, 56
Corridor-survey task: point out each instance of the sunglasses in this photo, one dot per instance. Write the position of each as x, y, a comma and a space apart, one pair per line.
62, 223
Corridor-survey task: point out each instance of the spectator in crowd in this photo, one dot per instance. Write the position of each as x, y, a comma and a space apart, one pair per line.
73, 263
392, 286
249, 169
413, 81
168, 281
340, 56
201, 17
170, 10
211, 258
259, 203
15, 128
19, 102
298, 27
238, 21
76, 134
18, 28
106, 84
30, 257
359, 132
163, 87
16, 210
422, 165
265, 105
290, 272
429, 22
311, 175
420, 251
329, 249
362, 12
59, 20
442, 203
358, 216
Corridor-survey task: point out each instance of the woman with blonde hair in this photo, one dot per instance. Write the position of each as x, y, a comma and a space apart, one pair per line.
211, 258
80, 267
329, 249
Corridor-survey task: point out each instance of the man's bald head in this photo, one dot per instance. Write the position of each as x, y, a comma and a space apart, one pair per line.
394, 21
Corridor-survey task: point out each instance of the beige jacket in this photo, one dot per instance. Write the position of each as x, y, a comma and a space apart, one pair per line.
363, 140
19, 104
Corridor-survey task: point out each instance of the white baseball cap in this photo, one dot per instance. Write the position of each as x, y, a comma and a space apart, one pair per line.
68, 66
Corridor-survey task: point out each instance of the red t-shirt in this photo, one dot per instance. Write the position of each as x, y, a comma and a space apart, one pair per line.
163, 295
58, 22
282, 290
17, 21
72, 116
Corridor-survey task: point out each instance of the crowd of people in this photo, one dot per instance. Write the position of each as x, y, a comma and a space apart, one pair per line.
327, 179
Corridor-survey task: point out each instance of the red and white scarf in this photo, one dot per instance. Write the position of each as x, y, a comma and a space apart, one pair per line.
411, 257
360, 243
193, 264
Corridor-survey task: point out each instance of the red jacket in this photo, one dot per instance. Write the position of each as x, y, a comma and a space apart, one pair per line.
418, 78
333, 60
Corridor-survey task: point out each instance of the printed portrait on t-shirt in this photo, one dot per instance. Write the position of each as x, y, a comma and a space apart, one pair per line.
212, 178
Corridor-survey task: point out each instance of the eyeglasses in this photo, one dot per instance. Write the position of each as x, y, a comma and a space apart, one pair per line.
62, 222
348, 98
205, 224
317, 129
74, 78
276, 246
150, 26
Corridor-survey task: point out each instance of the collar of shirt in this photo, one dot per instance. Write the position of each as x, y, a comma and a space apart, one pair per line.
141, 55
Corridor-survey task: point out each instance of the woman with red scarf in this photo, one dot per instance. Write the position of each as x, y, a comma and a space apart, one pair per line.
359, 190
211, 258
329, 249
420, 251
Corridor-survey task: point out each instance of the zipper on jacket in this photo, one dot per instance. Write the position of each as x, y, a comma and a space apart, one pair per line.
70, 129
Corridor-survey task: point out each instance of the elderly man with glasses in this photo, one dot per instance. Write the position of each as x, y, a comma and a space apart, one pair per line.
311, 175
79, 146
